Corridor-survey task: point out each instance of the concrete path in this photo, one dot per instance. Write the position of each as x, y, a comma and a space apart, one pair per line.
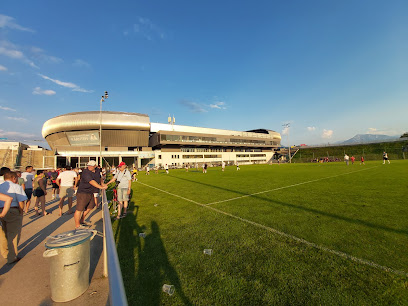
28, 281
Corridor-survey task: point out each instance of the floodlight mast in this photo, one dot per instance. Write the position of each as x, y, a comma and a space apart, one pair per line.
104, 97
287, 126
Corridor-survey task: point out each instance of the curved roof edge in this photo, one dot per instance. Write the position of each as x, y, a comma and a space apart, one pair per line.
91, 120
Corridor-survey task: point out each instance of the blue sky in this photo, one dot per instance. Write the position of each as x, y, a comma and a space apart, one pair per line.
332, 69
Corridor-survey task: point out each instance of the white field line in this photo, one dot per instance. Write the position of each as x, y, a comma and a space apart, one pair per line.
284, 187
300, 240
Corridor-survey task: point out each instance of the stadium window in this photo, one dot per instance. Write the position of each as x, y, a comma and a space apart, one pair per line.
159, 157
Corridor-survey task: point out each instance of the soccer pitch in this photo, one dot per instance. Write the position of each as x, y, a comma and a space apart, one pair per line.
280, 234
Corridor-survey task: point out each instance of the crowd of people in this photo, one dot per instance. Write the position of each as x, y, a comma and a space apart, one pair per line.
18, 190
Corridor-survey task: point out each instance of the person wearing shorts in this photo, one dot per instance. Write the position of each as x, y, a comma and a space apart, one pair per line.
124, 180
28, 178
88, 185
66, 181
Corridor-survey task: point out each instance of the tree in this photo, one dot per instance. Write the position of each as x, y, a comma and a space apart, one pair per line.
405, 135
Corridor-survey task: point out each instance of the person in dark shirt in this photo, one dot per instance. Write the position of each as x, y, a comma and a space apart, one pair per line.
89, 184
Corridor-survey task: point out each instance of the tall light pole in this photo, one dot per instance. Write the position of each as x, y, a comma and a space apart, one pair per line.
105, 96
287, 126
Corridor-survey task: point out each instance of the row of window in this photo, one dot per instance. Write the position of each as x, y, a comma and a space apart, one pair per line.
180, 138
218, 150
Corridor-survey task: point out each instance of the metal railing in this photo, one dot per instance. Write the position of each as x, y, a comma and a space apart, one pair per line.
111, 267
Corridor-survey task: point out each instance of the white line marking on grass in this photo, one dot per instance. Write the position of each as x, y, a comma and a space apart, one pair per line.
284, 187
289, 236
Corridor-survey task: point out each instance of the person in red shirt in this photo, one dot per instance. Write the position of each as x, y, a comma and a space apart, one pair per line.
352, 159
362, 160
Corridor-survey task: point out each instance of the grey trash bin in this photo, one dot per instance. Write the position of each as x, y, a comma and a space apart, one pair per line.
69, 255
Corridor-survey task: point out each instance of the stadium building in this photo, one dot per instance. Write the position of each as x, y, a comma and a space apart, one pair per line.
131, 137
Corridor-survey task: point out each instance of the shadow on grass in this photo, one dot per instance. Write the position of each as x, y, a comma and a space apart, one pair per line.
145, 265
310, 210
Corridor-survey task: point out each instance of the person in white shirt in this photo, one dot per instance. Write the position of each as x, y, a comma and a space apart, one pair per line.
28, 177
223, 165
11, 216
66, 181
124, 181
346, 159
166, 167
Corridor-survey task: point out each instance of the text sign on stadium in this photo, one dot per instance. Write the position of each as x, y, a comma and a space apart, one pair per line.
81, 138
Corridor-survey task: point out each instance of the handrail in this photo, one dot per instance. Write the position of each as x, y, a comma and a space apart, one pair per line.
111, 268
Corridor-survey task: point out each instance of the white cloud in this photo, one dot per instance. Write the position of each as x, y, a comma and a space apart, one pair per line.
218, 105
73, 86
146, 28
327, 133
17, 119
8, 22
81, 63
47, 92
39, 54
7, 108
193, 106
16, 134
10, 50
2, 68
311, 128
11, 53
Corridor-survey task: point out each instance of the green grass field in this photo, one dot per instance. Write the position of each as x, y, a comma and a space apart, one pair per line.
323, 234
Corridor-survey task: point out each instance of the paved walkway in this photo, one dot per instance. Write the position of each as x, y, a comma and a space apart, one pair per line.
28, 281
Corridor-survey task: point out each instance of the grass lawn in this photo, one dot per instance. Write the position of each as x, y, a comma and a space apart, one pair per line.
307, 234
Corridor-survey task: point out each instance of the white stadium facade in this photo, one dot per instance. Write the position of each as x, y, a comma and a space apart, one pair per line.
79, 137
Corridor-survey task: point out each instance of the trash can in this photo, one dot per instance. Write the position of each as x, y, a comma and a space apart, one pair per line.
69, 254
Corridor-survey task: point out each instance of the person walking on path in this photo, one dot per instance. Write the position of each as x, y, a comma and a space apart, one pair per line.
12, 197
66, 181
28, 177
124, 186
88, 185
385, 158
40, 191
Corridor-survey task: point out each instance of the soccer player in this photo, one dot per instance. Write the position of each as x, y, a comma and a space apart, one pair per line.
223, 166
385, 158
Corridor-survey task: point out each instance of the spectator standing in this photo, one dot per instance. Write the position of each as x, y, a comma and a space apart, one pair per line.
3, 171
124, 180
88, 185
28, 177
66, 181
223, 166
12, 197
20, 180
55, 187
40, 191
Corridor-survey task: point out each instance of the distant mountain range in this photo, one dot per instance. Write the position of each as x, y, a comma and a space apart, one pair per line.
367, 138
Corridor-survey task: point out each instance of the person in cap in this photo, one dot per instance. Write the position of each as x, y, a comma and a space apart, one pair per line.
124, 184
89, 184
